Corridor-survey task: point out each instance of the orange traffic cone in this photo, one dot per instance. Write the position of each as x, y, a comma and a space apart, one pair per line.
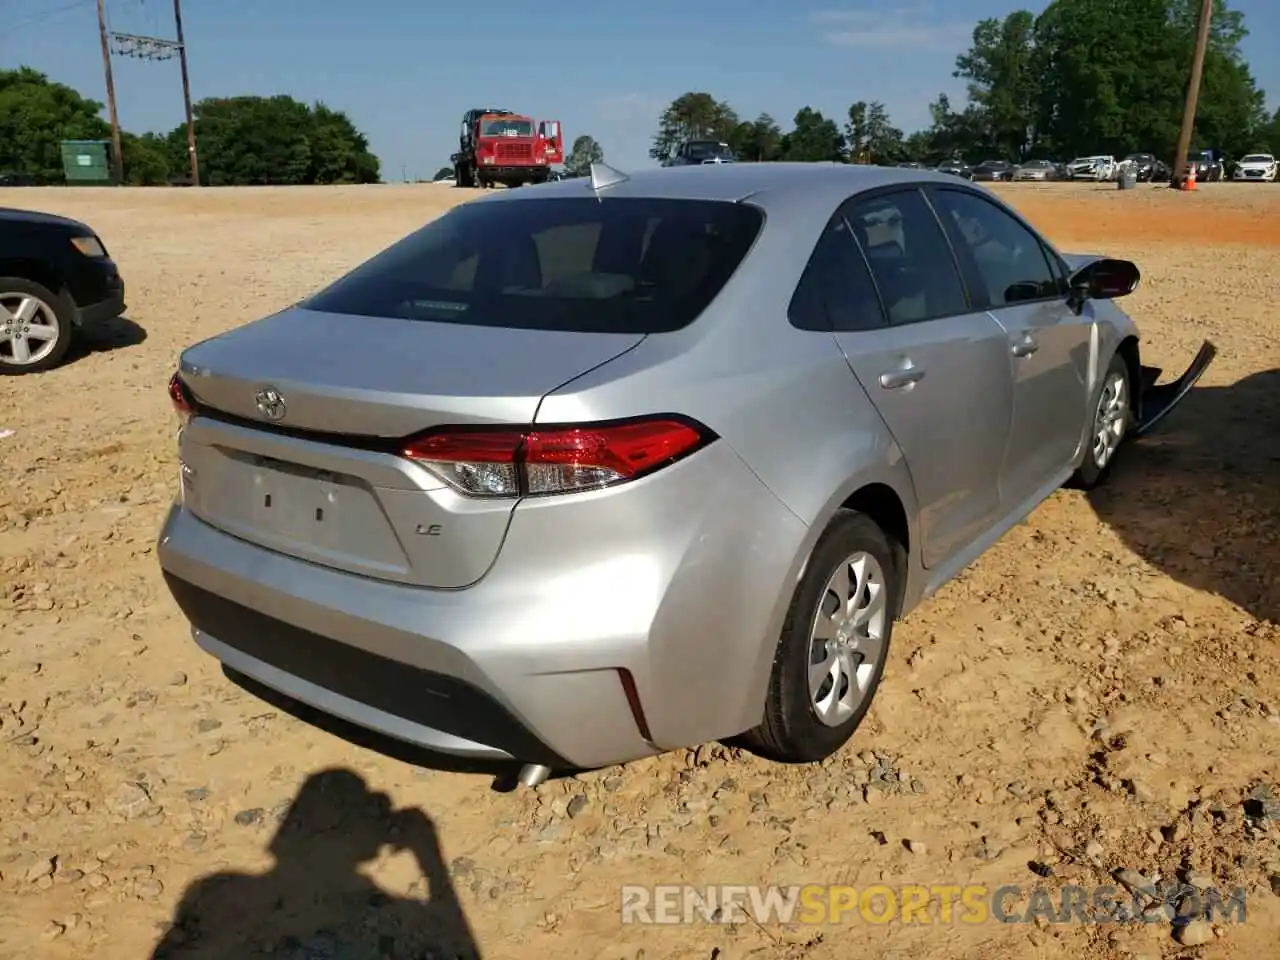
1190, 182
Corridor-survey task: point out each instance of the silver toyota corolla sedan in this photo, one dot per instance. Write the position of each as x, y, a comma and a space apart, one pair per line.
585, 472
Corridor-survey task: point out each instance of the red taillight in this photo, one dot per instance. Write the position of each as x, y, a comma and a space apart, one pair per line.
539, 461
181, 398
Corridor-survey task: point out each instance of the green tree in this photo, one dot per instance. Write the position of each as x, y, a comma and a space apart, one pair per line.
1113, 76
585, 152
147, 160
869, 135
813, 138
36, 115
758, 140
1001, 68
274, 140
692, 116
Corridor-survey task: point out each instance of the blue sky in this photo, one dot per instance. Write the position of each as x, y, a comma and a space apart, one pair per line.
405, 70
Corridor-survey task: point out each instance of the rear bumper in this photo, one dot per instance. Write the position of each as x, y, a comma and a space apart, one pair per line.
662, 589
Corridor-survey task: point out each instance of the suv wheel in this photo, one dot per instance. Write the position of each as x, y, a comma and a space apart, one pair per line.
35, 326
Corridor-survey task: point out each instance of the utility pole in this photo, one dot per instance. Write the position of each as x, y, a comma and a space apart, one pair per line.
154, 48
1180, 165
117, 157
186, 95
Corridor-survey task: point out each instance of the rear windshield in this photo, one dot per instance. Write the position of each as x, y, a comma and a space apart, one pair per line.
621, 265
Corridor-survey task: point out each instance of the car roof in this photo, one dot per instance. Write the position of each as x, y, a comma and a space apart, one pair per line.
820, 182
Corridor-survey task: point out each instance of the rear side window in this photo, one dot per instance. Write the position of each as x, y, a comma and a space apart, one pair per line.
835, 292
620, 265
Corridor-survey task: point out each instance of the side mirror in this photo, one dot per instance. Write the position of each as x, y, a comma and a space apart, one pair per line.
1104, 279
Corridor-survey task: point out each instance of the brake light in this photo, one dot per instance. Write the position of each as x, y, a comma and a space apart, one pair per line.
539, 461
183, 405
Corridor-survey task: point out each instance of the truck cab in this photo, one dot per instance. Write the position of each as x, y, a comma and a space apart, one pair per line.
503, 147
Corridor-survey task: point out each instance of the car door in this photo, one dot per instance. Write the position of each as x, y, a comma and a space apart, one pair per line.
936, 370
1048, 343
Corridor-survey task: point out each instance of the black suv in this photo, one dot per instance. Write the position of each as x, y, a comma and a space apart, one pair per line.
1147, 167
1207, 165
694, 152
55, 277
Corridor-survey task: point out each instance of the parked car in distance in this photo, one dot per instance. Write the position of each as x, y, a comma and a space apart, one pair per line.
1258, 167
10, 178
56, 277
556, 515
1208, 166
696, 152
1147, 168
1041, 170
1101, 167
993, 171
956, 168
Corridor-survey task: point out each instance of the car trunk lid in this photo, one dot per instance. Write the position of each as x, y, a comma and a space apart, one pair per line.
294, 443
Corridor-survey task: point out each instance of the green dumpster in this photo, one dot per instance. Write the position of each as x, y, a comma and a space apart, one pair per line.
87, 163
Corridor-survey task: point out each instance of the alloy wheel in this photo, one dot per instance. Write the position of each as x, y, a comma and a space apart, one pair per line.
29, 329
847, 638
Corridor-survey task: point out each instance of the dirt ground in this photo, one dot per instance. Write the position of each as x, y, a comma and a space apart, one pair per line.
1100, 692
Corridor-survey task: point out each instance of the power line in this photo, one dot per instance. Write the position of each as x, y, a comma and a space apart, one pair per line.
45, 16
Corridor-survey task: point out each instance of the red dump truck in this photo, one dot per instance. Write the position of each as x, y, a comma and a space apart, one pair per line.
501, 147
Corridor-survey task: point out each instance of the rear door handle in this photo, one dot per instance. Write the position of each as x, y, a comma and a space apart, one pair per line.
897, 379
1025, 347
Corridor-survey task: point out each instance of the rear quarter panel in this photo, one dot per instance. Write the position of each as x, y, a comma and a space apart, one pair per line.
783, 399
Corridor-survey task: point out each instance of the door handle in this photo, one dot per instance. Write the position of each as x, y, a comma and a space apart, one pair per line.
897, 379
1025, 347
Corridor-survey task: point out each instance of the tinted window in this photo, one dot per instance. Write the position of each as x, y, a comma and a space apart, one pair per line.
621, 265
835, 291
1009, 257
910, 257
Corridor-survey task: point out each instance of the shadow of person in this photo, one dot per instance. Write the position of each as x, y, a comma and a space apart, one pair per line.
314, 904
1199, 498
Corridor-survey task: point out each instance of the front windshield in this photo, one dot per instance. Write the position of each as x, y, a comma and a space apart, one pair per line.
1199, 155
702, 150
1140, 157
507, 127
1258, 158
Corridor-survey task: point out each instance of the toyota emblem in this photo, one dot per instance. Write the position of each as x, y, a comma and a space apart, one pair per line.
270, 403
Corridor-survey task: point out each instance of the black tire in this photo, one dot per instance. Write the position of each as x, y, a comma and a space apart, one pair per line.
1091, 473
791, 731
57, 304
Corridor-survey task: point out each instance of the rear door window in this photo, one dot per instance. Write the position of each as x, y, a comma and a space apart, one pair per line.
620, 265
909, 255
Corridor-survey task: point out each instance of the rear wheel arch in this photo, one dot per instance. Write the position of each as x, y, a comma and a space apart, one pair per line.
881, 503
